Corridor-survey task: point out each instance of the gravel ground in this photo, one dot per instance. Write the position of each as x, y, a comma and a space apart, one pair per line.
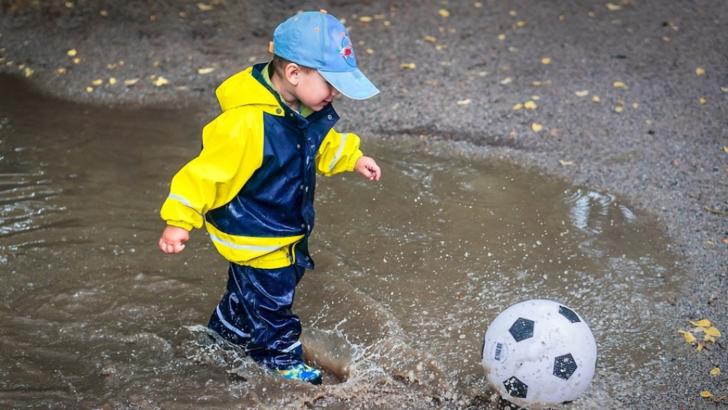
453, 70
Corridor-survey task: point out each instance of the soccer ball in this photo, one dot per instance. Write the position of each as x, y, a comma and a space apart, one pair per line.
539, 353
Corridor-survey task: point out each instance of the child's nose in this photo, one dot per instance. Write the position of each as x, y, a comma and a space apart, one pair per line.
334, 92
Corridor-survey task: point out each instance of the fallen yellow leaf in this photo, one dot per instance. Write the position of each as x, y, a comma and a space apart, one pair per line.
518, 107
619, 108
104, 13
97, 82
619, 84
712, 331
688, 336
112, 81
443, 13
369, 51
530, 105
582, 93
477, 4
89, 89
131, 81
464, 102
725, 149
61, 71
536, 83
72, 52
701, 323
205, 70
706, 394
702, 101
506, 80
520, 24
536, 127
430, 39
365, 19
546, 61
613, 7
715, 371
76, 60
408, 66
700, 347
501, 37
724, 89
565, 162
596, 99
204, 7
700, 71
160, 81
513, 13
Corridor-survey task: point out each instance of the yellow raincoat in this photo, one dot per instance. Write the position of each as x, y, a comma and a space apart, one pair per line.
253, 183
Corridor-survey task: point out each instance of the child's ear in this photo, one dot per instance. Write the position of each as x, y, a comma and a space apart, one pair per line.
292, 72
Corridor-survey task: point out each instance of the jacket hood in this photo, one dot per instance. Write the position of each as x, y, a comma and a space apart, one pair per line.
244, 88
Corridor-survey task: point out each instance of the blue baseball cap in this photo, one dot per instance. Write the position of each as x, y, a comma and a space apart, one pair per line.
318, 40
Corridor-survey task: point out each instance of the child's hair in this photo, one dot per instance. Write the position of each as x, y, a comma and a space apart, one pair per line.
278, 65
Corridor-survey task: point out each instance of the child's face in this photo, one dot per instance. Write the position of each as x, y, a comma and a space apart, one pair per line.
313, 90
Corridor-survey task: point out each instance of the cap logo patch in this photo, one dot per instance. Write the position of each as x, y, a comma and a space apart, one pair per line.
347, 51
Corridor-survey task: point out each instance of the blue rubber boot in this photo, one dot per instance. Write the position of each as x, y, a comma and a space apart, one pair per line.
301, 372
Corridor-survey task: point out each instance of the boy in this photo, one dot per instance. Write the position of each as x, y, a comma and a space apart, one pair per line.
252, 184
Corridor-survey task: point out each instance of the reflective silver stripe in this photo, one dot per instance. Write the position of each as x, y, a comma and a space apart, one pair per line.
344, 137
269, 248
291, 347
229, 325
181, 199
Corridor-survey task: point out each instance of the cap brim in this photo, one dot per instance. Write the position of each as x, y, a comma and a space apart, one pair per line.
352, 84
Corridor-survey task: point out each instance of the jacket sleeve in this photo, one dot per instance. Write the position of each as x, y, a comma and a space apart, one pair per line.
232, 151
338, 153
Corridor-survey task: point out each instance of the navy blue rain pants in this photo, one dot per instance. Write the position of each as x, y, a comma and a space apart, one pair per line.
256, 313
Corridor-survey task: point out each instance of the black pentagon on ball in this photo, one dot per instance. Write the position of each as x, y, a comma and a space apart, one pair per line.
521, 329
569, 314
564, 366
515, 387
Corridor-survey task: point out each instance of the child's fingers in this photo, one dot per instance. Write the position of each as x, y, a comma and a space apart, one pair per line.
375, 173
162, 245
170, 247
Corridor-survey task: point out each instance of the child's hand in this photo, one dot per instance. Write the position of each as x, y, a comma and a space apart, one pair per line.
173, 239
368, 168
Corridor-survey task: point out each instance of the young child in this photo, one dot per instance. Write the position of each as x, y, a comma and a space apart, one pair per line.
253, 183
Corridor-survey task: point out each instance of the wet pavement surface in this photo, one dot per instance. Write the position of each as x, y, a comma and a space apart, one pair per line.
410, 272
653, 142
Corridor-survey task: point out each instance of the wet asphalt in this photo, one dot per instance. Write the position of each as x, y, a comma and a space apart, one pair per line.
628, 97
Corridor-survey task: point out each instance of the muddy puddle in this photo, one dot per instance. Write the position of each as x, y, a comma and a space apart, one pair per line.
410, 271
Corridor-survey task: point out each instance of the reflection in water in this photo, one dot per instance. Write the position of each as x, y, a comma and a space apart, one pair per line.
589, 210
409, 274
